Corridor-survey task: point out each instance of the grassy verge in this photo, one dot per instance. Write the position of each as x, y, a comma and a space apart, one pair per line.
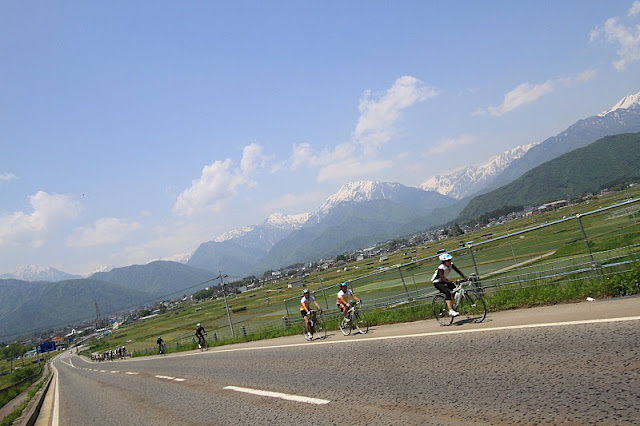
503, 298
9, 419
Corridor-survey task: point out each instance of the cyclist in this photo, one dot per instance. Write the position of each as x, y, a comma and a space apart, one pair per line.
200, 333
343, 299
305, 309
160, 342
442, 283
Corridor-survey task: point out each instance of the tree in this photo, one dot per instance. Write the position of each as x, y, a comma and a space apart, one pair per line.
14, 350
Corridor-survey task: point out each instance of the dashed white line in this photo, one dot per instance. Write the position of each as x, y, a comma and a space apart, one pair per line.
129, 372
288, 397
165, 377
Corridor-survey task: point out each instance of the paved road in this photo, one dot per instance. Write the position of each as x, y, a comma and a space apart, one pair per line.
572, 364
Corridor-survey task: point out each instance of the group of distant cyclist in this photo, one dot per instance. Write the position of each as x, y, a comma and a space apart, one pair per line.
439, 280
342, 302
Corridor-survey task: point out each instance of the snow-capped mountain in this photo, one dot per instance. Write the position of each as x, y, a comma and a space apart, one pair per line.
626, 102
466, 181
235, 251
276, 220
360, 191
39, 273
623, 117
103, 268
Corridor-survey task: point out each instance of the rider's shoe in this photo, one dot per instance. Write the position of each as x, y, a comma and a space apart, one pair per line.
347, 319
199, 346
310, 336
453, 313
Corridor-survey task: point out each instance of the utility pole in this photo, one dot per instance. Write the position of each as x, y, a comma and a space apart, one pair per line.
95, 302
224, 294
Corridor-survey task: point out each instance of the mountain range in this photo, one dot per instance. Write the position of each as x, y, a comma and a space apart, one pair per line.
360, 214
608, 162
471, 179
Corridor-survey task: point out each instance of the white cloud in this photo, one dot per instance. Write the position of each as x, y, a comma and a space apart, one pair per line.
7, 176
351, 168
292, 202
105, 231
447, 144
626, 37
49, 210
585, 76
219, 182
377, 119
375, 128
524, 94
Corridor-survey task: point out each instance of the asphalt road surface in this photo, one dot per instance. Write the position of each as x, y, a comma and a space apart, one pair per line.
564, 364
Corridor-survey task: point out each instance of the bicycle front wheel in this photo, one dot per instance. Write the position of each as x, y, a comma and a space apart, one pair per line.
360, 322
321, 330
441, 310
474, 307
345, 326
304, 331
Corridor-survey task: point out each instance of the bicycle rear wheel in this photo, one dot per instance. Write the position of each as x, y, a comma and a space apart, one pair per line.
441, 310
474, 307
345, 326
321, 330
361, 323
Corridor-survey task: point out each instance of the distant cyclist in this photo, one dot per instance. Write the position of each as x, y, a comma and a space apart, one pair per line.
343, 299
200, 333
442, 283
305, 309
160, 344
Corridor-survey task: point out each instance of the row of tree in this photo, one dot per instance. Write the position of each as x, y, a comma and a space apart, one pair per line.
12, 351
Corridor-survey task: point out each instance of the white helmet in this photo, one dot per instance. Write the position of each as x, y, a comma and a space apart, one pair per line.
445, 256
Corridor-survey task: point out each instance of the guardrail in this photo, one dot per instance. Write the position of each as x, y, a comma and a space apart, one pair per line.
536, 256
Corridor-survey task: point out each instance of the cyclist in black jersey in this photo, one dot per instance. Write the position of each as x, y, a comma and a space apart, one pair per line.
442, 283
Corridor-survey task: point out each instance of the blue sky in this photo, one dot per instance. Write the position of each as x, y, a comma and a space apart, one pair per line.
133, 131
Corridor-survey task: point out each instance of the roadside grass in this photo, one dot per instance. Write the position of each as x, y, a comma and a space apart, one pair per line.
499, 298
623, 284
9, 419
535, 249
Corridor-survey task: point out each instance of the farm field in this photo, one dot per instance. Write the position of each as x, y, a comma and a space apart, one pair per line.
530, 246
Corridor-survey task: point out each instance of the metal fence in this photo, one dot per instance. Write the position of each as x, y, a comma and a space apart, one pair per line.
540, 255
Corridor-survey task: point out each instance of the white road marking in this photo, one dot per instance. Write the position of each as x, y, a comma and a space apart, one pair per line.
432, 333
179, 380
288, 397
56, 402
165, 377
129, 372
114, 371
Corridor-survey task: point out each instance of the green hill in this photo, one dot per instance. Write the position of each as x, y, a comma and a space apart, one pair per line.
160, 278
610, 161
27, 307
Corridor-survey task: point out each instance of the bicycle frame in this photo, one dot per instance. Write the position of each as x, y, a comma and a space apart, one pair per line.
316, 325
468, 301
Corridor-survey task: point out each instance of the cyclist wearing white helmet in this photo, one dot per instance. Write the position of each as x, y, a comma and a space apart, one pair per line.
305, 308
343, 299
442, 283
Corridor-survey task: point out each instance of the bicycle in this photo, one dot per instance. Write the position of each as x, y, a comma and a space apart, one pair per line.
468, 302
316, 326
202, 343
357, 320
162, 349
